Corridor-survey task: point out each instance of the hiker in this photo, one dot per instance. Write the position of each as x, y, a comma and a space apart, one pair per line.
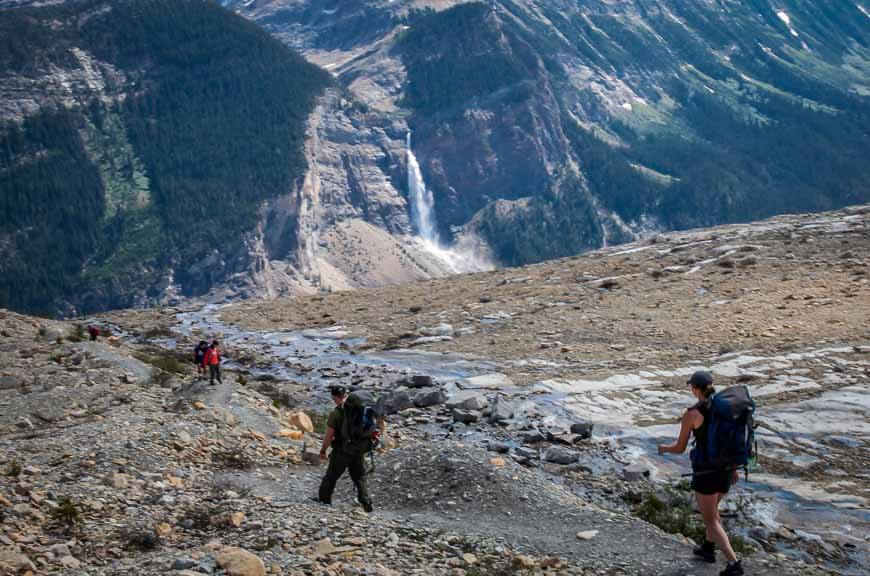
344, 455
94, 332
199, 358
710, 485
212, 359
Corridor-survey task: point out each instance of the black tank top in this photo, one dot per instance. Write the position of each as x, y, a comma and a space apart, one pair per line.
700, 433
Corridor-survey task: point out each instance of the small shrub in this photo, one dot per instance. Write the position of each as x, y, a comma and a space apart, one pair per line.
233, 457
157, 332
675, 517
14, 469
242, 380
59, 339
165, 361
160, 378
318, 420
67, 513
78, 334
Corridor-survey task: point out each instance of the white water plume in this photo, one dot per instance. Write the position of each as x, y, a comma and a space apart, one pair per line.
458, 259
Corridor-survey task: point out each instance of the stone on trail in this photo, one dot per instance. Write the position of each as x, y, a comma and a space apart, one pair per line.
492, 381
239, 562
587, 535
559, 455
301, 421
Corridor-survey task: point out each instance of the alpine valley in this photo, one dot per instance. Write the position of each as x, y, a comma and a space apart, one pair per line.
153, 150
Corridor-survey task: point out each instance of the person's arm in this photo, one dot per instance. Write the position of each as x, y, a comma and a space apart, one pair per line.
327, 441
689, 422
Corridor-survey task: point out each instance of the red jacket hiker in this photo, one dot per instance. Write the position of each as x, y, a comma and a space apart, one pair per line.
212, 357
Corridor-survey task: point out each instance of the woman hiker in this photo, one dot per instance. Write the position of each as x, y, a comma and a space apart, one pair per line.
710, 486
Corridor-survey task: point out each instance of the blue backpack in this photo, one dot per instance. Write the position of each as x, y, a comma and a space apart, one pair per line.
730, 441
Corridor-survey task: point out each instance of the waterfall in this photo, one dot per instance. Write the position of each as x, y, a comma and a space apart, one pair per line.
422, 203
456, 258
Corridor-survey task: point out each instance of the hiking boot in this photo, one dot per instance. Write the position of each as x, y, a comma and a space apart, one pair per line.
732, 569
367, 507
705, 552
319, 501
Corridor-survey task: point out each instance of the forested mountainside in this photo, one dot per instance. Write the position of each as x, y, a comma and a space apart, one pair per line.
153, 148
139, 139
554, 125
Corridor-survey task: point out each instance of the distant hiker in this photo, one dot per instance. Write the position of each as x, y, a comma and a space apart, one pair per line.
350, 428
199, 358
94, 331
212, 359
722, 427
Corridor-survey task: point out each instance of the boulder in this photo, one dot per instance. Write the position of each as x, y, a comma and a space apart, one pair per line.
559, 455
393, 402
419, 381
465, 416
533, 437
635, 472
582, 428
502, 409
468, 400
239, 562
301, 421
499, 447
430, 397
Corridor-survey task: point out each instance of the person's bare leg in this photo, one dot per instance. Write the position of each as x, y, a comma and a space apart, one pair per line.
708, 504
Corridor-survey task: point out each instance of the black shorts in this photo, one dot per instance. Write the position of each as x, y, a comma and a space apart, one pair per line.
712, 481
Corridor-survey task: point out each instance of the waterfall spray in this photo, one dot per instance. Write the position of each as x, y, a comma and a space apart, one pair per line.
422, 202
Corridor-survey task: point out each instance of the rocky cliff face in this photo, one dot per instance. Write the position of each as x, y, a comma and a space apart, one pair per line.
552, 116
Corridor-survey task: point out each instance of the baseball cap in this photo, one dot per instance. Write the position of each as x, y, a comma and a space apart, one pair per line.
701, 379
338, 390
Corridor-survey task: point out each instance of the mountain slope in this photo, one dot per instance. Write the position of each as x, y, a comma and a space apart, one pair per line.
174, 121
554, 116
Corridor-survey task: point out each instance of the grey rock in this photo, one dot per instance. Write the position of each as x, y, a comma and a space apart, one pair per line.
533, 437
393, 402
431, 397
468, 400
312, 458
525, 452
465, 416
635, 472
496, 446
419, 381
568, 439
183, 564
439, 330
560, 455
502, 409
583, 428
